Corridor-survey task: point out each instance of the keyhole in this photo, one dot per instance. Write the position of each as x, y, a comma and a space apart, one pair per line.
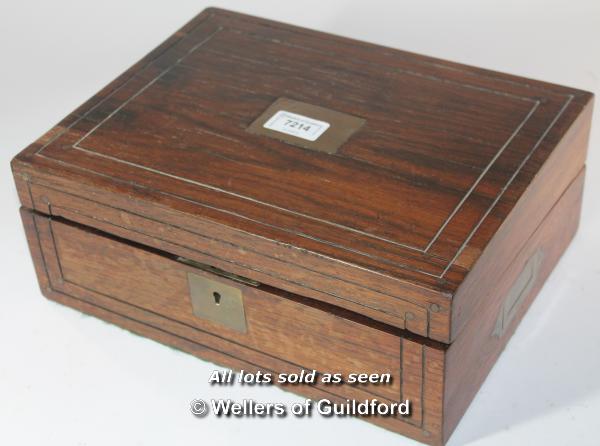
217, 297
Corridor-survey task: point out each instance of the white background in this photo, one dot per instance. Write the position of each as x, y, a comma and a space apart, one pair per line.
69, 379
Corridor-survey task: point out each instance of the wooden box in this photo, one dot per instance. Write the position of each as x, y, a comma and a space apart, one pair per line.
277, 199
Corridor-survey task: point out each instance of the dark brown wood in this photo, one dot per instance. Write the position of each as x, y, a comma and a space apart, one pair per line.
470, 358
390, 225
411, 235
146, 291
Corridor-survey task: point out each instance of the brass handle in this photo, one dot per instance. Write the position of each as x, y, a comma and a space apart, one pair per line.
517, 293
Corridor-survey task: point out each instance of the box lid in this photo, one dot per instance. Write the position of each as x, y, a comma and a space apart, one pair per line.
366, 177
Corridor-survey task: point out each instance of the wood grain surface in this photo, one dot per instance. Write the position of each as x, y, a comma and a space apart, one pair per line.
135, 286
145, 290
399, 253
391, 225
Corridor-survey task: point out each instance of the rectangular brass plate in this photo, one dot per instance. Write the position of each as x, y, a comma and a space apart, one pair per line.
306, 125
518, 292
217, 302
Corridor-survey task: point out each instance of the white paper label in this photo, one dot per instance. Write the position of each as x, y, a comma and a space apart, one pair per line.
296, 125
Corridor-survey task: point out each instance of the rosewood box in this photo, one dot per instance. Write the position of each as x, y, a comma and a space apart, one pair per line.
277, 199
